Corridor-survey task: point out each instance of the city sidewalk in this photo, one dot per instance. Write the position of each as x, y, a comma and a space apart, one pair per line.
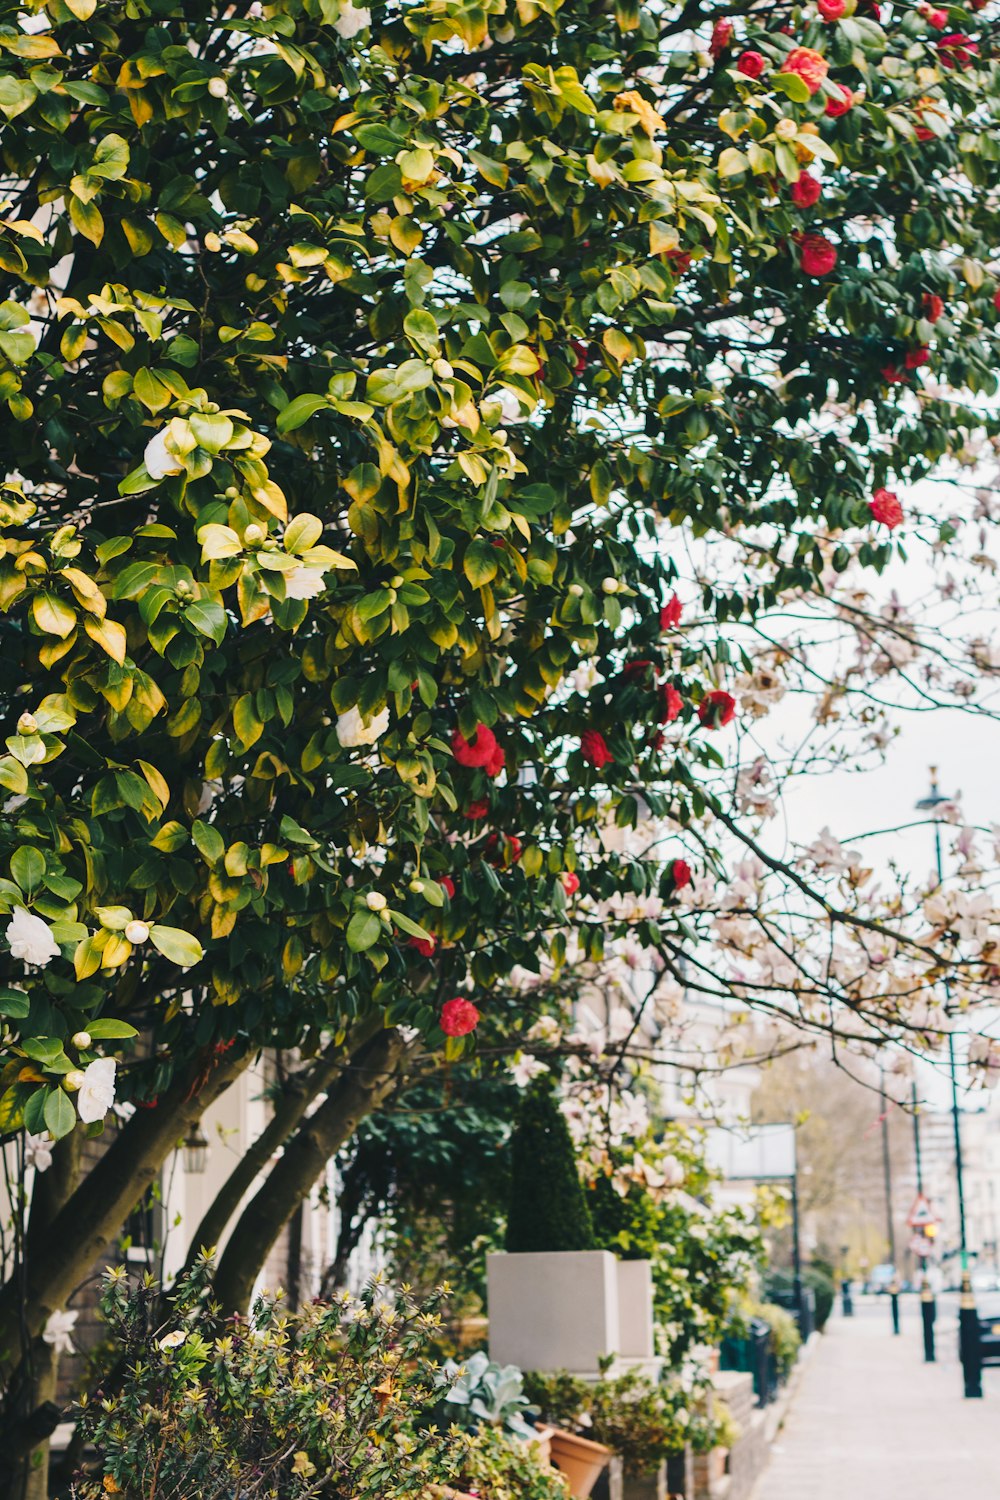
871, 1421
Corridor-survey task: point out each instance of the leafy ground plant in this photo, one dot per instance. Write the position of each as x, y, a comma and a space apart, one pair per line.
331, 1401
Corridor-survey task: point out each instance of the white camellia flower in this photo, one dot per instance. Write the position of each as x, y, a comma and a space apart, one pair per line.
97, 1091
352, 19
30, 938
57, 1332
304, 583
353, 730
158, 459
38, 1151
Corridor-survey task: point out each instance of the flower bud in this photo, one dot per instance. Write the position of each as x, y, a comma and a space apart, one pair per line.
396, 581
375, 901
182, 588
218, 88
254, 535
137, 932
212, 242
81, 1040
27, 724
73, 1081
442, 369
575, 590
786, 130
417, 886
610, 585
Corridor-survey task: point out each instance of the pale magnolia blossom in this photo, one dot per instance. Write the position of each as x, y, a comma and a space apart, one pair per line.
304, 583
672, 1172
159, 461
58, 1332
759, 691
354, 730
755, 790
30, 939
828, 854
546, 1029
97, 1091
38, 1151
352, 19
700, 895
526, 1068
984, 1057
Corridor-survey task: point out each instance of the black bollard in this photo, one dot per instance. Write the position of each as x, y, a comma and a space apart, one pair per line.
928, 1312
968, 1341
846, 1302
894, 1301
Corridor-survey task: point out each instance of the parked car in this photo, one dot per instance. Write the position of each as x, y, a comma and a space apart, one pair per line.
880, 1279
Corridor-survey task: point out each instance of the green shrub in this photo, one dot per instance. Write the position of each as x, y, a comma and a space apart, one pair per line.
786, 1341
640, 1420
819, 1282
548, 1210
496, 1465
334, 1401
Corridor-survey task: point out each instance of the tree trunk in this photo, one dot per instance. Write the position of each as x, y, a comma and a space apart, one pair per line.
302, 1089
372, 1074
94, 1213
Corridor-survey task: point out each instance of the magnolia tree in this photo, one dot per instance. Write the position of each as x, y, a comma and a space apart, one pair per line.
368, 377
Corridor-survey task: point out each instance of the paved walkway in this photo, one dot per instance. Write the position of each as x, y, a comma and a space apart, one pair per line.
871, 1421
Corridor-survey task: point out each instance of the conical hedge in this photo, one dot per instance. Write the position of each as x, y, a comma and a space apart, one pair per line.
548, 1210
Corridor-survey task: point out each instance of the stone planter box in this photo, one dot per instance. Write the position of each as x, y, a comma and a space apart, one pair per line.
568, 1310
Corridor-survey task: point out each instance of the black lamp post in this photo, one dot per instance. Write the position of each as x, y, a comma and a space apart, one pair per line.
968, 1322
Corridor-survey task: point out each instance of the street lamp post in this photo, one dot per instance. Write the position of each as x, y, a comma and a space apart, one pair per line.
968, 1322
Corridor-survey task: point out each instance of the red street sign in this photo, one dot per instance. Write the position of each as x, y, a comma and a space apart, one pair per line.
921, 1213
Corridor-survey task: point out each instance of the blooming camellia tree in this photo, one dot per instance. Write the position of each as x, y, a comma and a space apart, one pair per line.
366, 375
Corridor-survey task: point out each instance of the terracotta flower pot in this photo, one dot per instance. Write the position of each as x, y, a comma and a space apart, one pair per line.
542, 1442
579, 1459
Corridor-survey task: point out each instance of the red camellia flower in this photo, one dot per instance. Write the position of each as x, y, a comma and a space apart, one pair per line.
996, 299
885, 508
717, 709
595, 749
818, 256
448, 885
806, 191
477, 810
425, 946
681, 871
478, 751
837, 107
957, 51
809, 65
831, 10
752, 64
580, 350
503, 849
634, 669
917, 357
672, 704
680, 261
458, 1017
722, 35
933, 16
670, 614
570, 883
933, 307
893, 374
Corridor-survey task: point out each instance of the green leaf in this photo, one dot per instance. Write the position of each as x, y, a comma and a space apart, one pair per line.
298, 412
363, 931
480, 564
407, 924
14, 1003
179, 946
59, 1114
208, 618
107, 1029
27, 866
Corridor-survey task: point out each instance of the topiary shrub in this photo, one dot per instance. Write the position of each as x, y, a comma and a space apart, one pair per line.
548, 1210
